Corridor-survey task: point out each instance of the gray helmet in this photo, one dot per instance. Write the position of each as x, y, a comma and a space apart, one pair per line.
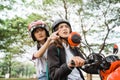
57, 22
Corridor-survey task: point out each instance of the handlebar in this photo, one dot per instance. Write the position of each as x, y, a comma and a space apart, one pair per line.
87, 63
96, 60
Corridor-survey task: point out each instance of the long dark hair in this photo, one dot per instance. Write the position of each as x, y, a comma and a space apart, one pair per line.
58, 42
38, 44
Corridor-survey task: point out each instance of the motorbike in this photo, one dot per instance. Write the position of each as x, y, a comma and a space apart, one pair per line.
107, 67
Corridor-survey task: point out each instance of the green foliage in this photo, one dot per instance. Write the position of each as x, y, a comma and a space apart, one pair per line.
14, 35
5, 7
17, 79
23, 1
34, 17
7, 4
109, 1
17, 69
76, 1
14, 29
48, 2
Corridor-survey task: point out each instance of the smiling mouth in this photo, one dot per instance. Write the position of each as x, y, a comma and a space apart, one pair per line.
65, 32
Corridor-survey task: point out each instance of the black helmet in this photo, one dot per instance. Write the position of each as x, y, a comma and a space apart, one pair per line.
37, 24
57, 22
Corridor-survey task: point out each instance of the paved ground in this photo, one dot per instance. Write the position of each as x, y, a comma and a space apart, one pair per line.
94, 77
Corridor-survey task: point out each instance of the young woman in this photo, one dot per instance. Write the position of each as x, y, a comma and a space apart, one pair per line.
61, 54
39, 33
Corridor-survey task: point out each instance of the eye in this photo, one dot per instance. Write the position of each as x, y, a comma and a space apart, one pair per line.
61, 26
66, 26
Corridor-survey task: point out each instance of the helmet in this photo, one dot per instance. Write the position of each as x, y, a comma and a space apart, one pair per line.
37, 24
57, 22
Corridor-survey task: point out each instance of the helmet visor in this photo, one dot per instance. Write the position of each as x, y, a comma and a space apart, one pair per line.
39, 26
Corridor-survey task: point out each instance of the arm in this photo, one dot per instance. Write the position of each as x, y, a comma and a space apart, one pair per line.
77, 60
41, 51
57, 67
50, 39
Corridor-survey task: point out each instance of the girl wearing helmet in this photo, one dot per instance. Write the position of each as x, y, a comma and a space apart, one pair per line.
39, 33
60, 67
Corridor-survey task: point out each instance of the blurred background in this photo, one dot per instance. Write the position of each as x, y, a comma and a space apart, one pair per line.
97, 21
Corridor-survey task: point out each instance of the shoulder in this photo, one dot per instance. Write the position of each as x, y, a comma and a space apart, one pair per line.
54, 49
32, 49
52, 46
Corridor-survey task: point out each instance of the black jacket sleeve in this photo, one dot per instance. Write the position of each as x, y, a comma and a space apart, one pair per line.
57, 70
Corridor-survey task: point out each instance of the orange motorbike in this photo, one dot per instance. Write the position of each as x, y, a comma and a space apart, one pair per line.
108, 67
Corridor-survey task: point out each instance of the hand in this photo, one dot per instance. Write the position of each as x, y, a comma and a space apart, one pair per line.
54, 35
78, 62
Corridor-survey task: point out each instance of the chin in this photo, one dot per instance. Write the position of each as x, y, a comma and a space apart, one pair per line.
65, 36
41, 39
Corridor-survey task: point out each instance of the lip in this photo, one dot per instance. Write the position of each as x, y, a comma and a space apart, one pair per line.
65, 32
40, 36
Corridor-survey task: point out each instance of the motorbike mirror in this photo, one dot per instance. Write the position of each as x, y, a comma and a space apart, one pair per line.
74, 39
115, 49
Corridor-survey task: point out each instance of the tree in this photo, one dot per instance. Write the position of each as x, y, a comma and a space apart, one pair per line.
95, 20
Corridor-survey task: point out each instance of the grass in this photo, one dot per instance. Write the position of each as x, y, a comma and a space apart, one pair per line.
17, 79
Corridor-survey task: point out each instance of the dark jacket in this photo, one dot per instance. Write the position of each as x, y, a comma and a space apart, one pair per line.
58, 69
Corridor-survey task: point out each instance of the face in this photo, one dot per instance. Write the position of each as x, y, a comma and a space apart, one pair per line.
64, 30
40, 34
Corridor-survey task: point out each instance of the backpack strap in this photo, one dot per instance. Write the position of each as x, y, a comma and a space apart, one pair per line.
58, 51
47, 72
